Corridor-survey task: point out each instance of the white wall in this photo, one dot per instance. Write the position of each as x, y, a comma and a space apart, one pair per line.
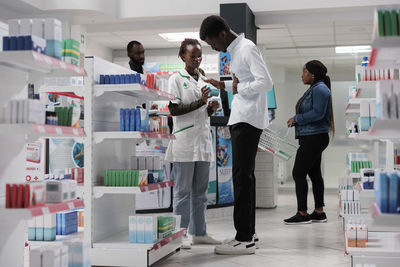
95, 49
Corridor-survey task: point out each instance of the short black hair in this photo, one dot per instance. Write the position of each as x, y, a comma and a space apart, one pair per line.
185, 43
131, 44
212, 26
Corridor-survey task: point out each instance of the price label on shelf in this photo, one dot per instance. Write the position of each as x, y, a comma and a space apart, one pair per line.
45, 210
41, 129
71, 205
59, 130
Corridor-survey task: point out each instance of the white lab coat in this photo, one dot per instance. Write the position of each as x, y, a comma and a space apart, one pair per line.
192, 130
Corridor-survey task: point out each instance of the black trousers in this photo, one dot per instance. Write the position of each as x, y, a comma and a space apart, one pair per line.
308, 161
245, 140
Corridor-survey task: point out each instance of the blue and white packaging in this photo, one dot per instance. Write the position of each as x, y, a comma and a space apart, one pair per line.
39, 221
112, 79
132, 122
127, 118
52, 29
54, 48
132, 229
140, 229
138, 118
394, 192
121, 119
150, 234
13, 43
35, 43
102, 79
6, 43
106, 79
381, 188
117, 79
132, 78
20, 43
32, 229
49, 227
144, 120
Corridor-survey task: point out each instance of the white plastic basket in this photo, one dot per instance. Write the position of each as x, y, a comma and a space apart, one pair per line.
275, 140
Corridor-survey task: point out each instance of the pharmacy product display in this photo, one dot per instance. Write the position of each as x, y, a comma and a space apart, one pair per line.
152, 81
386, 22
43, 36
387, 191
149, 229
356, 234
357, 160
68, 253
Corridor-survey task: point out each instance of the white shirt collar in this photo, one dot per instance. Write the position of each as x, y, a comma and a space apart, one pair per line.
235, 42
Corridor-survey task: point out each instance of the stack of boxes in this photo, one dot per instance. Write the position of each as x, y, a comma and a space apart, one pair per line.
357, 234
67, 222
386, 22
148, 229
53, 36
24, 111
357, 160
350, 202
42, 228
65, 254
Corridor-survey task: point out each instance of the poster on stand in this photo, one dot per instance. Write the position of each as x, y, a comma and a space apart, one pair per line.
224, 63
224, 166
35, 161
212, 182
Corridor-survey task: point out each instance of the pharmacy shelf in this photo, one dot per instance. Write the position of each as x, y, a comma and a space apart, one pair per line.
31, 61
160, 112
99, 191
380, 244
134, 90
101, 136
355, 175
357, 101
117, 251
385, 52
385, 129
59, 239
387, 221
77, 90
42, 210
43, 130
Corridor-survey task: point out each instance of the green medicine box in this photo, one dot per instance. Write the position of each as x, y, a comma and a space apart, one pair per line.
105, 177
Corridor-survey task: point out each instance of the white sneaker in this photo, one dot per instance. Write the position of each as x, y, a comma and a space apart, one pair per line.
186, 243
256, 241
205, 239
235, 247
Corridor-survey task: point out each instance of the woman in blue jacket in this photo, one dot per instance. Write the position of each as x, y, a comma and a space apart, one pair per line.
313, 122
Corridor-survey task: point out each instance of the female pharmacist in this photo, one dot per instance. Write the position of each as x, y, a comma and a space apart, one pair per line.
313, 122
191, 152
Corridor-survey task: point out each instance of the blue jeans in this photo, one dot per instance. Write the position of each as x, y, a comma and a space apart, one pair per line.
190, 194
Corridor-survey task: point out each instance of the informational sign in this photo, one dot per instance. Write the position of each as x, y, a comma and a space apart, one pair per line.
224, 166
65, 153
35, 160
212, 182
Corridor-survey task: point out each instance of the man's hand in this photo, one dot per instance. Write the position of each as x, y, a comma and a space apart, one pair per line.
291, 122
217, 84
213, 105
204, 94
234, 84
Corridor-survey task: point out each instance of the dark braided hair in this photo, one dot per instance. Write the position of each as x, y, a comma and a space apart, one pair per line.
319, 71
185, 43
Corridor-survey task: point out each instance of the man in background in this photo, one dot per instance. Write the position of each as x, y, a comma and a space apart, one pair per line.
136, 55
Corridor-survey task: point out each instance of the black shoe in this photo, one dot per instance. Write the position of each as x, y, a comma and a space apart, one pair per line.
318, 217
298, 219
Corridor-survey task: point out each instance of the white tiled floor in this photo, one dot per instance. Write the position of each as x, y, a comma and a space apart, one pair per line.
311, 245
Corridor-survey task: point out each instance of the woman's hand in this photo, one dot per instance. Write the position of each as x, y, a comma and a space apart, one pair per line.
291, 122
234, 84
204, 94
213, 105
217, 84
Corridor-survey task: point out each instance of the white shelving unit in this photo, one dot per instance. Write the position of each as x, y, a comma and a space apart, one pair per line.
107, 209
383, 246
13, 221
